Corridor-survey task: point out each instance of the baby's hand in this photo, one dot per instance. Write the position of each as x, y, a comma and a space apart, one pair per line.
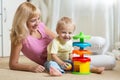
63, 64
67, 66
38, 68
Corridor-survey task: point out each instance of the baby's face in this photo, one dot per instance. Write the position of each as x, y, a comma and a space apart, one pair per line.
65, 33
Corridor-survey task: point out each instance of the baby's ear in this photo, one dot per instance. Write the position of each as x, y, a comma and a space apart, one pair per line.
57, 31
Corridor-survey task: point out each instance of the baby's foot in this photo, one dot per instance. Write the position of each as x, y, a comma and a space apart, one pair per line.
97, 70
54, 72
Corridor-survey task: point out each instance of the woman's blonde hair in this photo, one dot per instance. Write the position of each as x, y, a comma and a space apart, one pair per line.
19, 29
63, 22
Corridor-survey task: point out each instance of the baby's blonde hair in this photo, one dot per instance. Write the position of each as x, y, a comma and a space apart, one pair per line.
63, 22
19, 29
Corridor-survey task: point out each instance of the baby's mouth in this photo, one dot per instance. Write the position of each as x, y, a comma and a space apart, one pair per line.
67, 38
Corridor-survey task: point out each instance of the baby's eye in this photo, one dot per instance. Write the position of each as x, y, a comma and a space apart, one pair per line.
63, 32
70, 32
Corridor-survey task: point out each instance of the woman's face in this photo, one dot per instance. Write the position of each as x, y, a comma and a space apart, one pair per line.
32, 23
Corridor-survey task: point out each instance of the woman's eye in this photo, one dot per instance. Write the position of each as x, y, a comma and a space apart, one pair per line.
39, 18
32, 20
35, 19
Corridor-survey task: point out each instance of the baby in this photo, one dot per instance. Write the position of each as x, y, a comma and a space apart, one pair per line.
60, 49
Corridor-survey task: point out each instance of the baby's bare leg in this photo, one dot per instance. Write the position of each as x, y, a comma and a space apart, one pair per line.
97, 70
54, 72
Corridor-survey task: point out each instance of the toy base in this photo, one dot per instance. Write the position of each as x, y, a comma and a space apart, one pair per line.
80, 73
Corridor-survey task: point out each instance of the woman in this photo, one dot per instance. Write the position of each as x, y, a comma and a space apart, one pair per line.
29, 35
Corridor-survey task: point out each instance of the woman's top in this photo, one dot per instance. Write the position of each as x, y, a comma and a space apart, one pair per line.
36, 49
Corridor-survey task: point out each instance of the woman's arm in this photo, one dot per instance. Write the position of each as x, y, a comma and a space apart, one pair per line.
15, 65
14, 57
50, 33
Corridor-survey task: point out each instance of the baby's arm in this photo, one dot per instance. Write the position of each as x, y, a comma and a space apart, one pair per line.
58, 60
70, 56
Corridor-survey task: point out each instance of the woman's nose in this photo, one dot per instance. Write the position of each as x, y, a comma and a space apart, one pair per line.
37, 21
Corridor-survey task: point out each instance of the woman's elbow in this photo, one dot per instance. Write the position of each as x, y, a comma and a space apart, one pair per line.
12, 66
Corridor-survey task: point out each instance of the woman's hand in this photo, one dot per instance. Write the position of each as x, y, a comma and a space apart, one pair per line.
37, 69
